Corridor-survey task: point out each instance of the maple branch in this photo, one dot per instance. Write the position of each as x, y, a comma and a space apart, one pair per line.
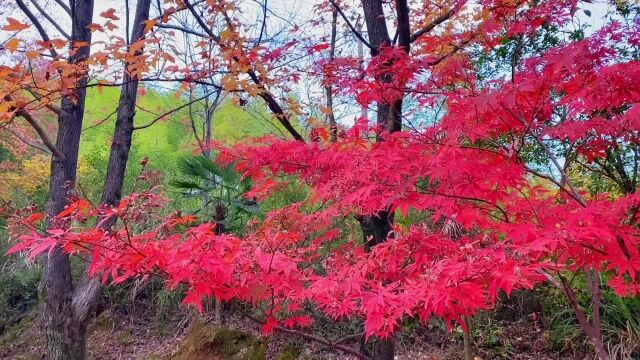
263, 27
348, 338
50, 19
311, 337
26, 141
554, 160
41, 132
193, 125
37, 24
38, 128
101, 121
551, 279
272, 103
437, 21
171, 112
180, 28
51, 107
456, 48
590, 330
351, 27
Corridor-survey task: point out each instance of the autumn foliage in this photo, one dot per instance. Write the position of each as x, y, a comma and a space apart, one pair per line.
487, 193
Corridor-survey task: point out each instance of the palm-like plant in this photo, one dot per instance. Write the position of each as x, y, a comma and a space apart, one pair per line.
221, 188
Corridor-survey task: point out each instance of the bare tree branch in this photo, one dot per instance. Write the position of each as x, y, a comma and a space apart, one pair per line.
310, 337
38, 128
272, 103
50, 19
64, 6
437, 21
171, 112
51, 107
28, 142
351, 27
43, 34
183, 29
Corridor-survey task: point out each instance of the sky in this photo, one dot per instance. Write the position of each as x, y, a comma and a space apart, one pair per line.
293, 11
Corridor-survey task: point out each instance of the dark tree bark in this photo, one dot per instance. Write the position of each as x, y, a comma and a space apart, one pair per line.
88, 292
121, 143
67, 311
378, 228
65, 332
328, 89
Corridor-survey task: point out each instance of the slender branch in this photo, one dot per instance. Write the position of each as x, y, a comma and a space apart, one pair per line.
37, 24
437, 21
556, 163
551, 279
64, 6
26, 141
351, 27
101, 121
38, 128
50, 19
348, 338
272, 103
171, 112
456, 48
51, 107
264, 23
180, 28
307, 336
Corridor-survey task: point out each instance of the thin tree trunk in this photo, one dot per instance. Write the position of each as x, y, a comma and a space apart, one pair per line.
331, 118
593, 335
378, 228
364, 113
121, 144
466, 339
65, 333
87, 294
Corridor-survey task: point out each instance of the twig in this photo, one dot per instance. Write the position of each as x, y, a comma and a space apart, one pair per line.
307, 336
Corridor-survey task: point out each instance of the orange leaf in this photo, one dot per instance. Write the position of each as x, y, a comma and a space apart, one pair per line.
33, 54
14, 25
12, 45
149, 24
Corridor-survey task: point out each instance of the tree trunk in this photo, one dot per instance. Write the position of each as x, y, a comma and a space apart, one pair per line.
378, 228
65, 333
121, 144
331, 118
66, 312
378, 349
466, 339
88, 292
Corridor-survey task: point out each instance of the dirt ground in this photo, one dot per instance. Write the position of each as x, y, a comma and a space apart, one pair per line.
114, 336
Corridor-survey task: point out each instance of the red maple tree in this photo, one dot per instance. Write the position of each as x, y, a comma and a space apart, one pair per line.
501, 209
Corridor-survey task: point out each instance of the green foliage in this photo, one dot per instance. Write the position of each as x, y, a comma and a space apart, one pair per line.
620, 318
215, 187
160, 143
18, 287
291, 352
18, 292
232, 124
